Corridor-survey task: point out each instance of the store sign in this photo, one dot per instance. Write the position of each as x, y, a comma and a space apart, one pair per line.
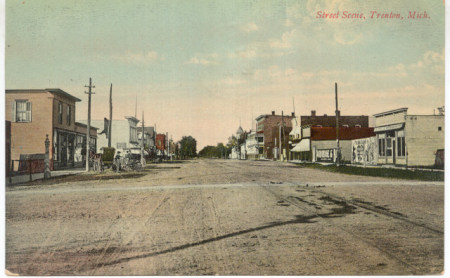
388, 127
325, 155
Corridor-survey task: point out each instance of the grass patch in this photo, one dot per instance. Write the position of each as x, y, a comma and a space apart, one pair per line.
380, 172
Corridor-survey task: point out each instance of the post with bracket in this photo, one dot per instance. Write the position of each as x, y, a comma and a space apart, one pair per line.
47, 173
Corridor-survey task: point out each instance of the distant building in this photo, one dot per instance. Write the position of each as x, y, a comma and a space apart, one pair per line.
265, 125
149, 136
36, 113
410, 140
330, 120
319, 143
281, 142
124, 134
252, 146
161, 143
358, 123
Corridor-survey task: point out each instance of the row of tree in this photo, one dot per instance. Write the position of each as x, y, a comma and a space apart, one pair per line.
188, 147
219, 151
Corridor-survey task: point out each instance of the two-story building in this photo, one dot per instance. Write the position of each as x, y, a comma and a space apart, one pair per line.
124, 134
265, 126
37, 113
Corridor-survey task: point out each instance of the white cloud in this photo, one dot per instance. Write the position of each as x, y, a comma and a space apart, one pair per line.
431, 60
250, 52
137, 57
202, 61
285, 42
347, 37
250, 27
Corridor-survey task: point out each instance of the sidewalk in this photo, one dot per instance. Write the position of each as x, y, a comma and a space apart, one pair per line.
370, 166
15, 180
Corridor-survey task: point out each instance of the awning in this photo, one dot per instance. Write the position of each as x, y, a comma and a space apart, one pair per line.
303, 146
388, 127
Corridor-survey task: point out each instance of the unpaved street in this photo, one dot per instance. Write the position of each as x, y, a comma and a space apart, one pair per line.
208, 217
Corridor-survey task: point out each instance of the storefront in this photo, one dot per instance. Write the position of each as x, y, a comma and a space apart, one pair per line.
391, 144
69, 149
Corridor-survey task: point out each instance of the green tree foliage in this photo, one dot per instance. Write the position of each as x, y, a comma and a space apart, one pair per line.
219, 151
188, 147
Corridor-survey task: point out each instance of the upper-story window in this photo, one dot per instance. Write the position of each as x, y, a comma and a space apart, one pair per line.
22, 111
60, 113
68, 115
133, 134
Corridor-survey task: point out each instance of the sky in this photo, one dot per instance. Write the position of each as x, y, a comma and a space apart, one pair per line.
204, 67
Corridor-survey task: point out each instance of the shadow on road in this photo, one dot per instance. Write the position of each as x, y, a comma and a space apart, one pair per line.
299, 219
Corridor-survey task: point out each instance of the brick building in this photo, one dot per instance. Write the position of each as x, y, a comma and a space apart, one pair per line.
161, 142
265, 124
325, 120
319, 143
281, 142
36, 113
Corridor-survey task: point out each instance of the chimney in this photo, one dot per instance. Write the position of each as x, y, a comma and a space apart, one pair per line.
313, 113
273, 113
293, 114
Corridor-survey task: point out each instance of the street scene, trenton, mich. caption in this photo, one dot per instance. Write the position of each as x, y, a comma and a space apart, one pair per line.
372, 15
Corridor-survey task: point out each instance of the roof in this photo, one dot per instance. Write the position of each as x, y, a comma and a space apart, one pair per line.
399, 110
240, 130
345, 133
133, 119
54, 91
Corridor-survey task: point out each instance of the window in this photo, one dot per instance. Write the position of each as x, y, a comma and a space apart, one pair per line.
388, 146
439, 128
401, 150
381, 147
60, 113
22, 111
133, 134
68, 115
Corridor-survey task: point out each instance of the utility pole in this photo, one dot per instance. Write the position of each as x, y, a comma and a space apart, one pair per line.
337, 126
88, 132
168, 146
257, 140
284, 136
142, 142
110, 117
135, 108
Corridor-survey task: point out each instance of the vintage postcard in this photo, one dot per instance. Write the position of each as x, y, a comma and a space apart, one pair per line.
211, 137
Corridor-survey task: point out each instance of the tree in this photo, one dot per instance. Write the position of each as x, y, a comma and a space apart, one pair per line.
188, 147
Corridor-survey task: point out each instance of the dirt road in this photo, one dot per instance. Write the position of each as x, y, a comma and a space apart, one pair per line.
208, 217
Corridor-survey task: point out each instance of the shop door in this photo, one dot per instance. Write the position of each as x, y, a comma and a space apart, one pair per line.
71, 150
63, 142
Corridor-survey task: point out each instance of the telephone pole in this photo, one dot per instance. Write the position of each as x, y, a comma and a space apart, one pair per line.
88, 132
110, 117
142, 142
337, 126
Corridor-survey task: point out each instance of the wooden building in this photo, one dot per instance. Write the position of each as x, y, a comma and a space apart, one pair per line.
409, 140
36, 113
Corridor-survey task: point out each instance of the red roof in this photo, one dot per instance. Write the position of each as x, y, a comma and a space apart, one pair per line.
345, 133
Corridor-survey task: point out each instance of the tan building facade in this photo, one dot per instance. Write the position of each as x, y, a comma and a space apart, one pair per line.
38, 113
409, 140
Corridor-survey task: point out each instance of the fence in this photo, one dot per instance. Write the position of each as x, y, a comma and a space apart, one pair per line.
26, 167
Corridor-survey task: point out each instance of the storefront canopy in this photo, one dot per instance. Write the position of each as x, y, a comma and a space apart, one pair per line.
303, 146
